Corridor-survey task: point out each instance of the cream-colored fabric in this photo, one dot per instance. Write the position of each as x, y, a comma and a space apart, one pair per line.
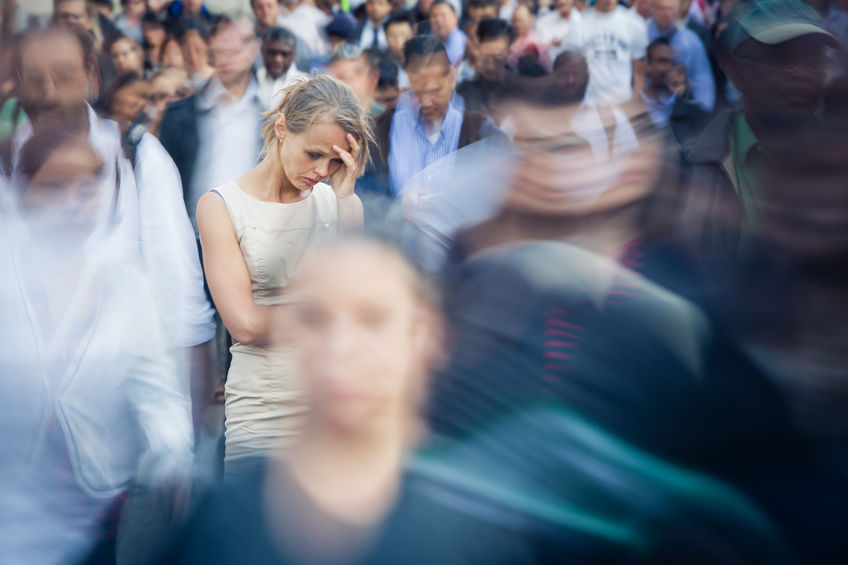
264, 397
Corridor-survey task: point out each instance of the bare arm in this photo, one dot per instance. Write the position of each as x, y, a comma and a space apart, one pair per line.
227, 276
638, 76
351, 214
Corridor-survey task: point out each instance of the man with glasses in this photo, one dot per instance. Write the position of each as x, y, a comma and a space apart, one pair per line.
279, 52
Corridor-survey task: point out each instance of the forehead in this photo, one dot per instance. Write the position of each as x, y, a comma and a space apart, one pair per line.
76, 7
278, 46
442, 9
51, 48
498, 45
324, 134
433, 67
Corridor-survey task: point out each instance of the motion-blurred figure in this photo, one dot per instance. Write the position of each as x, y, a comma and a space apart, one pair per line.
86, 393
368, 332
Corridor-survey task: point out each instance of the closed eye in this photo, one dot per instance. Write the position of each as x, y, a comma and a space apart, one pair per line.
314, 156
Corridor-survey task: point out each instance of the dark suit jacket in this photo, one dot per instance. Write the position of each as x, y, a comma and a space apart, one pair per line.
179, 135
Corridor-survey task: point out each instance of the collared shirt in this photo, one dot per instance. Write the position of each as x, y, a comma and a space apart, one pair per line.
229, 132
270, 88
455, 45
148, 204
366, 39
750, 160
689, 50
410, 148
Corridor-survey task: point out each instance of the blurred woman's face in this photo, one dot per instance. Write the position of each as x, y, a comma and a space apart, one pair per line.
154, 35
172, 56
363, 338
570, 164
127, 57
63, 195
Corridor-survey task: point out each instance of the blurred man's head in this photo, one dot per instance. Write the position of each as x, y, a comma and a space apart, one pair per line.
398, 31
494, 37
77, 13
572, 67
430, 74
387, 87
377, 10
443, 19
564, 7
479, 10
233, 46
56, 69
776, 54
604, 6
666, 13
266, 13
360, 73
658, 59
522, 20
192, 8
278, 51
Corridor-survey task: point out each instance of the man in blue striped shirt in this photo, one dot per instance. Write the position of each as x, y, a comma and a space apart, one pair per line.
430, 121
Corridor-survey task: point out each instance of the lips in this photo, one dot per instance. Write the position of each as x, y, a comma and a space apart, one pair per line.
310, 181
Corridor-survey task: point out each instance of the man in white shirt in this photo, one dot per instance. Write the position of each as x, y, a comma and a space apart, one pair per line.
278, 71
307, 22
556, 27
56, 70
614, 43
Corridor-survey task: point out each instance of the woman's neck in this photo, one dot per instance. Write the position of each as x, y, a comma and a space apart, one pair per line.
268, 181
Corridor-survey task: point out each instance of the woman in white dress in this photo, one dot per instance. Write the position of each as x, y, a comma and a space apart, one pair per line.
254, 232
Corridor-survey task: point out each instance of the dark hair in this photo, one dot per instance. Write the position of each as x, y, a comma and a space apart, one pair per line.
388, 73
278, 34
123, 81
424, 47
492, 29
483, 3
529, 66
565, 56
658, 42
546, 91
183, 29
402, 18
151, 17
440, 2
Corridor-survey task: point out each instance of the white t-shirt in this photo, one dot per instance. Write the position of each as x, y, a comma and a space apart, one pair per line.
611, 41
553, 27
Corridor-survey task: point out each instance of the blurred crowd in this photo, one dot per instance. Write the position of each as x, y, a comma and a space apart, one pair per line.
336, 282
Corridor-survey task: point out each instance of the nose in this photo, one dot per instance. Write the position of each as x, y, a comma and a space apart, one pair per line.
322, 168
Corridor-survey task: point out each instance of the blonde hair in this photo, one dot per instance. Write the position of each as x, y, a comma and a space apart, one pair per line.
321, 98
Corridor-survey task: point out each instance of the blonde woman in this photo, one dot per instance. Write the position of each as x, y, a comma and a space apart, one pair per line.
254, 232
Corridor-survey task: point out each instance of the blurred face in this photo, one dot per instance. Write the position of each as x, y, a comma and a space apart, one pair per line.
163, 91
443, 21
356, 74
127, 57
658, 63
129, 102
576, 73
154, 35
522, 21
665, 13
424, 6
377, 10
433, 82
192, 7
490, 59
786, 77
676, 81
173, 56
63, 196
53, 80
233, 51
605, 5
480, 13
134, 8
266, 12
278, 57
195, 51
308, 158
387, 97
396, 35
561, 173
364, 339
73, 13
563, 7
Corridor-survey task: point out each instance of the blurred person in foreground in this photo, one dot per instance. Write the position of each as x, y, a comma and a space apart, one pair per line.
775, 52
429, 122
55, 71
368, 334
279, 52
215, 135
93, 404
255, 230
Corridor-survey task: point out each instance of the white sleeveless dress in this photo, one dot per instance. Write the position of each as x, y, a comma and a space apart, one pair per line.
264, 400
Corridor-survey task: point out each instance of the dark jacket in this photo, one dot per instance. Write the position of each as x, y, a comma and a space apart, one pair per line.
179, 136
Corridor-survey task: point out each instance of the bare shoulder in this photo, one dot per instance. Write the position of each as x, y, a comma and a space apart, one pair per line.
211, 211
